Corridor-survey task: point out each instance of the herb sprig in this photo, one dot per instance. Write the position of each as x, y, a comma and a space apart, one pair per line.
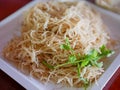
92, 59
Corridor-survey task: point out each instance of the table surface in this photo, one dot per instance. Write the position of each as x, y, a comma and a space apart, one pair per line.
8, 7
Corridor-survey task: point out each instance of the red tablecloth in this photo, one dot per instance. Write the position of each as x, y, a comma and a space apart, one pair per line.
7, 7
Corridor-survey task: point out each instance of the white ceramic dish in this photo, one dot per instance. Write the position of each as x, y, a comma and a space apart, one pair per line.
11, 26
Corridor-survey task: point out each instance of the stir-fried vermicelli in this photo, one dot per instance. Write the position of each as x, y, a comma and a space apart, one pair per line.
45, 27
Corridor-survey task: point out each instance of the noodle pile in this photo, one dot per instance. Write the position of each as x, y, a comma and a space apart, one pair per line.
45, 28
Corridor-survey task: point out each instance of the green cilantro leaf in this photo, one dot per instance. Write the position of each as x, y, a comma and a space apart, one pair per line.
106, 52
65, 47
84, 63
72, 58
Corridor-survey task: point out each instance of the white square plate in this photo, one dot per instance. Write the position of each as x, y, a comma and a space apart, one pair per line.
11, 26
